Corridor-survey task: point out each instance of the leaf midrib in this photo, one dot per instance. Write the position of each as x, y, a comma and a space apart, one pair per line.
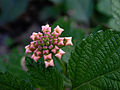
96, 78
100, 75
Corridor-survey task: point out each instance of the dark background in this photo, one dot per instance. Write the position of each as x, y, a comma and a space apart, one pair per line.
19, 18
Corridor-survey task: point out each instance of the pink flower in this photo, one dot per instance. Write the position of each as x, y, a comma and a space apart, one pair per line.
58, 31
47, 44
55, 49
68, 41
28, 49
45, 51
49, 56
46, 28
44, 47
33, 36
39, 34
38, 52
60, 43
49, 63
51, 46
35, 57
60, 53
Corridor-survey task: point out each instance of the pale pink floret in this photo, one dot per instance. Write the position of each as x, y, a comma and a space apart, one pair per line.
35, 57
51, 46
28, 49
49, 56
45, 47
60, 53
32, 47
39, 34
45, 51
68, 41
55, 49
46, 28
60, 41
57, 31
33, 36
49, 63
55, 42
38, 53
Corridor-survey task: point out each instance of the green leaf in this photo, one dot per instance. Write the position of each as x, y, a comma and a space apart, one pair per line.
112, 24
10, 82
116, 12
95, 63
48, 78
12, 9
104, 6
2, 66
68, 50
81, 10
13, 63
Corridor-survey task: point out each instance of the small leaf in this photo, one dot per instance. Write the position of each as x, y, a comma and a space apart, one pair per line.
47, 78
95, 63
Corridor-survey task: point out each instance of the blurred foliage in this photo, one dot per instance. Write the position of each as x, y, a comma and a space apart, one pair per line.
116, 14
104, 6
11, 9
69, 29
12, 63
81, 10
10, 82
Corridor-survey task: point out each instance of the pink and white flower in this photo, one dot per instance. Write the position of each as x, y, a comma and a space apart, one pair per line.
60, 53
68, 41
35, 57
49, 63
49, 56
61, 43
46, 28
47, 44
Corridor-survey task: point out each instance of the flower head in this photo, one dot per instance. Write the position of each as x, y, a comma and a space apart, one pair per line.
47, 44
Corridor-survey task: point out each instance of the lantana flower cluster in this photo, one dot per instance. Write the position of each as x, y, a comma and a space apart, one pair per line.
47, 44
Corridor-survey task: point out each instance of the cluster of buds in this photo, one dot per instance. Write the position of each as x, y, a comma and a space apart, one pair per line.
47, 44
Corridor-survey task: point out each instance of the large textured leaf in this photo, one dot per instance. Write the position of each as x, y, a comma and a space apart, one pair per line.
95, 63
116, 12
47, 78
10, 82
